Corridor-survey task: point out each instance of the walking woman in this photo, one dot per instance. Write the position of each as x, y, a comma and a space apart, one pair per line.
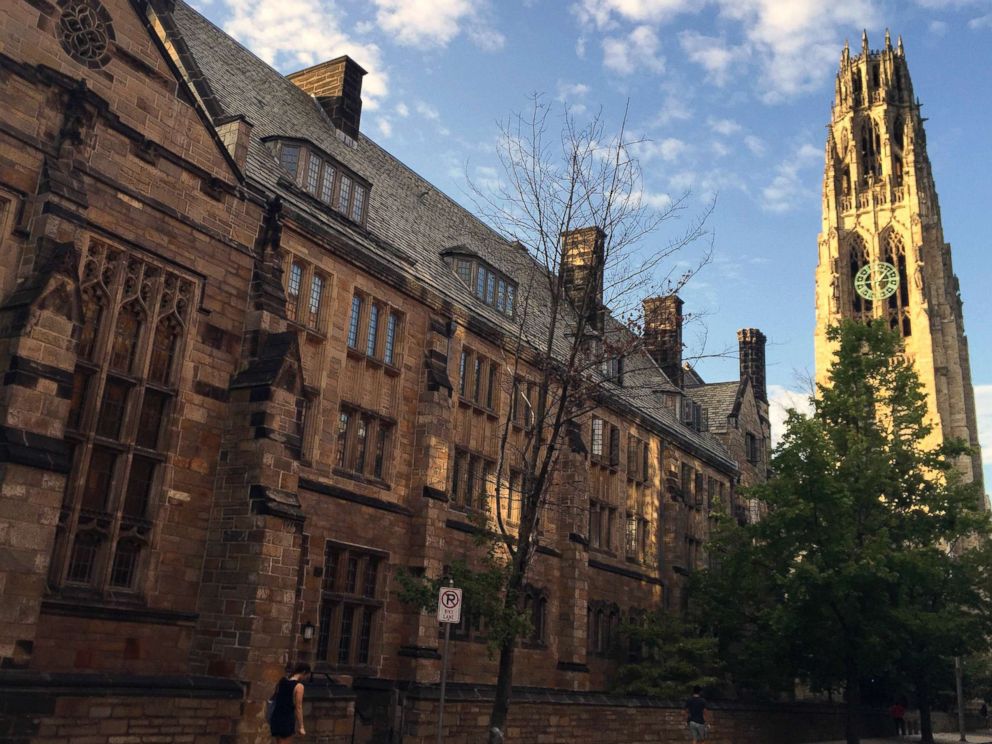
287, 711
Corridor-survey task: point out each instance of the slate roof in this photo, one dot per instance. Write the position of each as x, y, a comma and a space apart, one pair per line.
410, 222
721, 399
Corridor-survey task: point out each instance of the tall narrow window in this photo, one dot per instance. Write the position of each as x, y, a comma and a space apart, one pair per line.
477, 380
316, 296
350, 606
327, 184
344, 418
117, 421
313, 173
491, 389
344, 195
481, 278
289, 158
358, 203
597, 437
372, 338
293, 289
389, 352
356, 314
462, 369
127, 334
164, 343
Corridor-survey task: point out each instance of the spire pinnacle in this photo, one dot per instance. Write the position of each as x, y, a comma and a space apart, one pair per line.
888, 41
864, 41
901, 50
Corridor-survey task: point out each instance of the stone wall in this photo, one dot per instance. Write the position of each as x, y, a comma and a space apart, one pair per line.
554, 717
104, 709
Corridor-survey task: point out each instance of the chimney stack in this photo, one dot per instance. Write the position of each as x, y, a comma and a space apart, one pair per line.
235, 133
583, 257
751, 342
663, 334
337, 86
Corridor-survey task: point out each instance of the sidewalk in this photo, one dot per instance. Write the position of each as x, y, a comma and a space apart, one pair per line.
973, 738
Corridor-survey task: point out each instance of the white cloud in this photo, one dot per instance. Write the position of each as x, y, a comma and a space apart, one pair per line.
572, 94
984, 21
402, 110
434, 23
600, 13
427, 111
726, 127
787, 189
673, 108
639, 51
755, 144
780, 400
385, 126
795, 43
720, 149
292, 34
667, 149
983, 408
712, 54
937, 28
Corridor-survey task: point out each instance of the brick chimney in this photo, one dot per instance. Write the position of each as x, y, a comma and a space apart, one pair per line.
751, 342
583, 258
337, 86
663, 334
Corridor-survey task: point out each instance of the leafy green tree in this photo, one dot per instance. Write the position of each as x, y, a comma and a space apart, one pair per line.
661, 655
866, 561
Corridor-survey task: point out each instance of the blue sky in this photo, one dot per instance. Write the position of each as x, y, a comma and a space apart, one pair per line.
733, 95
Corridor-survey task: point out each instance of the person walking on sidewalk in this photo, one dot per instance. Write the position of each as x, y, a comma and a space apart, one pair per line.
287, 708
897, 712
696, 715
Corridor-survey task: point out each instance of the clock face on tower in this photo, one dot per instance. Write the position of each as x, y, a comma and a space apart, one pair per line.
876, 281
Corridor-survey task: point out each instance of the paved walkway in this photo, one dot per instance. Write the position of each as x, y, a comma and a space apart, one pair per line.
973, 738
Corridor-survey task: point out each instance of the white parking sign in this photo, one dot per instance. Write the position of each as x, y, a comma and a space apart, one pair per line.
449, 605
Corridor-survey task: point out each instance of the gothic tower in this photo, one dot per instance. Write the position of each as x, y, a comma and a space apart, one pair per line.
881, 250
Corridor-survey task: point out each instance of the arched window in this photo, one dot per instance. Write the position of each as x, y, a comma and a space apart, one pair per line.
126, 335
870, 150
898, 137
857, 258
897, 305
135, 315
856, 88
164, 342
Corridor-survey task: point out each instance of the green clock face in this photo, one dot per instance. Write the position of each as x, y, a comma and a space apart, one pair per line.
876, 281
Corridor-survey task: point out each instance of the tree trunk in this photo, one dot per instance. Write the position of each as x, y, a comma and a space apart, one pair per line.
501, 703
926, 722
852, 695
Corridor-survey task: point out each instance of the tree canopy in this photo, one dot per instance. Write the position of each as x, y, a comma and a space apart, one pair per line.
873, 558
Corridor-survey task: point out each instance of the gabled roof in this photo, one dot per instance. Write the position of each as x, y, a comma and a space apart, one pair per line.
407, 216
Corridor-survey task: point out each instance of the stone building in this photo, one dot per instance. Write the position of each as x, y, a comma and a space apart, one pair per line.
882, 253
250, 371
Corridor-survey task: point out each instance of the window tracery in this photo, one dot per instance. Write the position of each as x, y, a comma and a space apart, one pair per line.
123, 388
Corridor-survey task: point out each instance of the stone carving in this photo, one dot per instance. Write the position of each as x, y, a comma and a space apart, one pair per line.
86, 32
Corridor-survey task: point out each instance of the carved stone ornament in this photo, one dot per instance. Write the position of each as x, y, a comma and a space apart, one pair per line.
86, 32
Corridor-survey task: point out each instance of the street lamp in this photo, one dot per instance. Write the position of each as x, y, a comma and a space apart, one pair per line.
307, 631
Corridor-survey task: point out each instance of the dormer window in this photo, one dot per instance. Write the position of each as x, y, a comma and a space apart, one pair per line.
324, 179
489, 285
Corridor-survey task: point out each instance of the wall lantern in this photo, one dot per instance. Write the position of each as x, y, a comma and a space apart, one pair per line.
307, 631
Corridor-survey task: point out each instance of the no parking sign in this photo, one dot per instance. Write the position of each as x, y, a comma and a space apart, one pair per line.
449, 605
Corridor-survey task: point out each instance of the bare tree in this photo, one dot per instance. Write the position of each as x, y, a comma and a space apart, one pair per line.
573, 197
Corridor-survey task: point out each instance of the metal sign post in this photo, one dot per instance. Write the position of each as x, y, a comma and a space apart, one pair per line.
449, 612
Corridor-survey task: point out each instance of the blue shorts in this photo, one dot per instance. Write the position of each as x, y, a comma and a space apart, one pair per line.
697, 731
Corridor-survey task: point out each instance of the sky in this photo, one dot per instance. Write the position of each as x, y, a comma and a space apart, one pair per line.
731, 98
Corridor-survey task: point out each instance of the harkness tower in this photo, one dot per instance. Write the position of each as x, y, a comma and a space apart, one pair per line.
881, 250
